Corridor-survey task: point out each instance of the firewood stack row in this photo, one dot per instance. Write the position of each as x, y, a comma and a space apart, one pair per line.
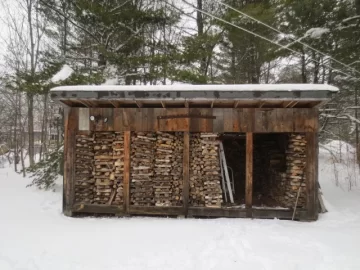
168, 169
142, 168
84, 161
296, 169
177, 169
205, 175
294, 178
104, 167
118, 159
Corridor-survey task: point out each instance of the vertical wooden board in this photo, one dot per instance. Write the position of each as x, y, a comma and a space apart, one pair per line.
305, 120
186, 172
249, 172
206, 124
285, 120
144, 119
156, 122
127, 163
94, 112
272, 121
71, 128
236, 120
218, 122
248, 120
118, 120
84, 119
260, 116
195, 121
162, 123
150, 119
109, 114
311, 182
129, 116
228, 120
139, 120
311, 122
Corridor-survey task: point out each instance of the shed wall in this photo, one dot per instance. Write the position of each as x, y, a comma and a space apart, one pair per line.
77, 121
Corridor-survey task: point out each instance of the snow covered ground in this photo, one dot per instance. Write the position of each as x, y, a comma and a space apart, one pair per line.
34, 235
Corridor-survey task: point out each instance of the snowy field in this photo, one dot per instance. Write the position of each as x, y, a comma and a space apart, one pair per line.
34, 235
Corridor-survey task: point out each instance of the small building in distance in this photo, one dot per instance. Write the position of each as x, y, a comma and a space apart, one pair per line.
192, 150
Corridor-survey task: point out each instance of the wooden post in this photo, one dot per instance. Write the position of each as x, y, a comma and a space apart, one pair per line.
186, 172
311, 174
127, 152
71, 126
249, 173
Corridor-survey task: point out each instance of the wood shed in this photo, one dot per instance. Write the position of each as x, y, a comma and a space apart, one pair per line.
192, 150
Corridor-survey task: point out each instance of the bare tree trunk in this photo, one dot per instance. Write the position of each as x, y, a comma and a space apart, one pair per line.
16, 158
43, 149
200, 26
30, 101
30, 96
303, 67
357, 129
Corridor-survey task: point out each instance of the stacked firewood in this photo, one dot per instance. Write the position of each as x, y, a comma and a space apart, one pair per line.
168, 169
84, 180
142, 168
118, 156
205, 175
294, 178
104, 167
164, 157
177, 169
296, 169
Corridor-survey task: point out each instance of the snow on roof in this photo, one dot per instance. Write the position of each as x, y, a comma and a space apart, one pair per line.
65, 72
186, 87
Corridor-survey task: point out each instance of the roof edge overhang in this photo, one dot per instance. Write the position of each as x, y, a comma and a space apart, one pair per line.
310, 95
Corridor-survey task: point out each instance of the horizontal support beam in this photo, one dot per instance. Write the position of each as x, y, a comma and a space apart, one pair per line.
186, 116
97, 209
156, 210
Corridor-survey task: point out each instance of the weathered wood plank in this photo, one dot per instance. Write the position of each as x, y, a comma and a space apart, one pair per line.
311, 181
195, 122
216, 212
84, 119
126, 184
71, 121
249, 171
138, 120
228, 120
97, 209
118, 120
225, 120
285, 119
206, 124
248, 120
279, 213
218, 122
243, 213
157, 211
186, 172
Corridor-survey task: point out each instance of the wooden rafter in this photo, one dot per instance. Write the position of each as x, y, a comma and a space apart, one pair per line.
139, 104
262, 103
294, 104
85, 103
115, 104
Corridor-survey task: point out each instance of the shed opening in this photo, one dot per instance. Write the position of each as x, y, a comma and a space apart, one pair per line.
279, 165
